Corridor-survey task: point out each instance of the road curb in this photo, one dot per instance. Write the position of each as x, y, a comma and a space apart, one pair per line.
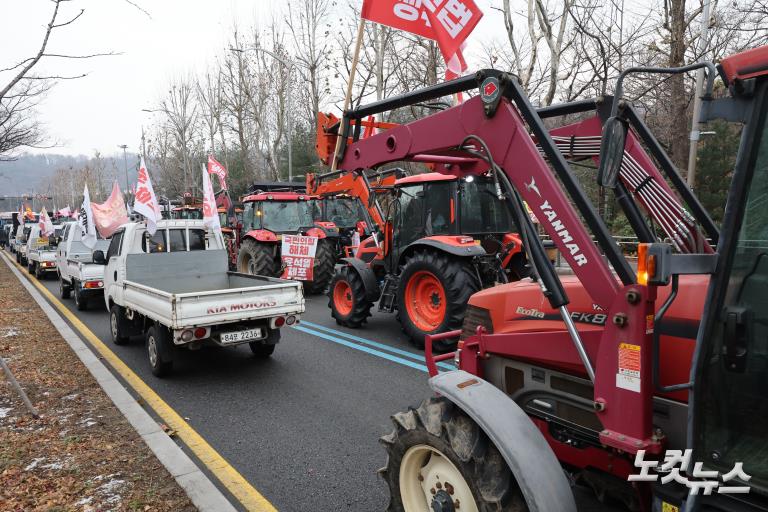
201, 491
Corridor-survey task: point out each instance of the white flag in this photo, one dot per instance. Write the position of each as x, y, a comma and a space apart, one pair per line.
145, 201
210, 213
87, 227
46, 226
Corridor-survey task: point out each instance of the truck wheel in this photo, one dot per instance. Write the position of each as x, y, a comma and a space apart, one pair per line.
322, 272
256, 259
64, 289
38, 271
438, 458
432, 296
117, 325
265, 347
31, 267
346, 298
159, 350
80, 303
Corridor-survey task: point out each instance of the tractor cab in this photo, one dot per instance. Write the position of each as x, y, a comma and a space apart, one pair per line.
278, 213
191, 212
454, 211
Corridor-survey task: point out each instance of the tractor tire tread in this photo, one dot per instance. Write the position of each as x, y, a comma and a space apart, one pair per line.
437, 422
459, 281
361, 306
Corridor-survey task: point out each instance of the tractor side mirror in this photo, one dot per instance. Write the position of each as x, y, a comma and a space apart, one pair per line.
611, 152
98, 258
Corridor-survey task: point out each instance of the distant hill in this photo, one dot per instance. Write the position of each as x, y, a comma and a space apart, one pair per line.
26, 174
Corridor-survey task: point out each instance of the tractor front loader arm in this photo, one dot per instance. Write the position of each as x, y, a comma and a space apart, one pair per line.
512, 148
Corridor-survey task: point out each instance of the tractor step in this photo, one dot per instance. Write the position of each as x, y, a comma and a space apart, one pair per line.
388, 300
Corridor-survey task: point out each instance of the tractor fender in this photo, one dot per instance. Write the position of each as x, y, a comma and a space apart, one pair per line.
261, 235
372, 290
529, 457
448, 244
318, 232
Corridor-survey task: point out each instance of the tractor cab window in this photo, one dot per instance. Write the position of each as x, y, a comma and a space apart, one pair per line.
733, 404
439, 209
248, 219
345, 212
284, 216
481, 209
408, 212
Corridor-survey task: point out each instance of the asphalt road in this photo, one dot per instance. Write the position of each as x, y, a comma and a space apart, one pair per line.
301, 426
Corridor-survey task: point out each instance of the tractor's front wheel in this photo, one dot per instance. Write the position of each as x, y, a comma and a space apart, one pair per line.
432, 295
349, 306
438, 458
256, 259
322, 271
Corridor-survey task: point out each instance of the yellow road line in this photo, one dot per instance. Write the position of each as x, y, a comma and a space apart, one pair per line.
216, 464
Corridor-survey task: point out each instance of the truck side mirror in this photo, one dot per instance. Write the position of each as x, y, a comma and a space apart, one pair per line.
98, 258
611, 152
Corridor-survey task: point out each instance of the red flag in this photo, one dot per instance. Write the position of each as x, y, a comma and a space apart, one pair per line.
219, 170
449, 22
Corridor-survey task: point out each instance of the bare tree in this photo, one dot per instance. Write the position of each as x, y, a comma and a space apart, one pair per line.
181, 112
24, 90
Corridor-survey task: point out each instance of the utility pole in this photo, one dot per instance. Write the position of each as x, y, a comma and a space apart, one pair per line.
125, 163
695, 125
143, 143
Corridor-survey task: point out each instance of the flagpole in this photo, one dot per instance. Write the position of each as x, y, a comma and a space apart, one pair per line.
348, 97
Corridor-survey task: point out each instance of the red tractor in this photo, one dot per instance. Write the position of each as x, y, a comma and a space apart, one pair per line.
268, 215
644, 383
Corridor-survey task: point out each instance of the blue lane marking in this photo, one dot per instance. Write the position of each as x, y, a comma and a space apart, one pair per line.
382, 346
355, 346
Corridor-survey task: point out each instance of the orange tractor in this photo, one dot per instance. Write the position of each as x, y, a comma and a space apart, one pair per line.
644, 383
440, 240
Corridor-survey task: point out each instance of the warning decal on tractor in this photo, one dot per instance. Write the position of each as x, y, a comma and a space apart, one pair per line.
298, 255
628, 376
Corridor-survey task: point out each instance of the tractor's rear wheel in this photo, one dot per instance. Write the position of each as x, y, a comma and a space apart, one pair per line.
347, 300
432, 296
322, 271
439, 459
256, 259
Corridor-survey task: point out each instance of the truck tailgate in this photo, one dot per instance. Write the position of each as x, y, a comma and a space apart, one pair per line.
225, 306
216, 306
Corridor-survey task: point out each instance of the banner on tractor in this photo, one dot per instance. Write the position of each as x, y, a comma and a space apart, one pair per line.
111, 214
298, 254
449, 22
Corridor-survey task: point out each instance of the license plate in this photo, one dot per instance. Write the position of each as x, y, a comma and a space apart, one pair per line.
234, 337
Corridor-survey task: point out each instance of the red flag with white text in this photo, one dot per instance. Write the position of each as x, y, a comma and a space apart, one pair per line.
219, 170
449, 22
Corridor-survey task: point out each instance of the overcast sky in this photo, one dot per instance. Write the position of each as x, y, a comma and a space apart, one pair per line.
104, 109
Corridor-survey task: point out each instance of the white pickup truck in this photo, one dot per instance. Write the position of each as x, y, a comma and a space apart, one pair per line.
40, 253
20, 243
78, 274
176, 290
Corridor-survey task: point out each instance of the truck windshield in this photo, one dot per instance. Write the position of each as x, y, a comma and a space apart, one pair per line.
481, 210
345, 212
285, 216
